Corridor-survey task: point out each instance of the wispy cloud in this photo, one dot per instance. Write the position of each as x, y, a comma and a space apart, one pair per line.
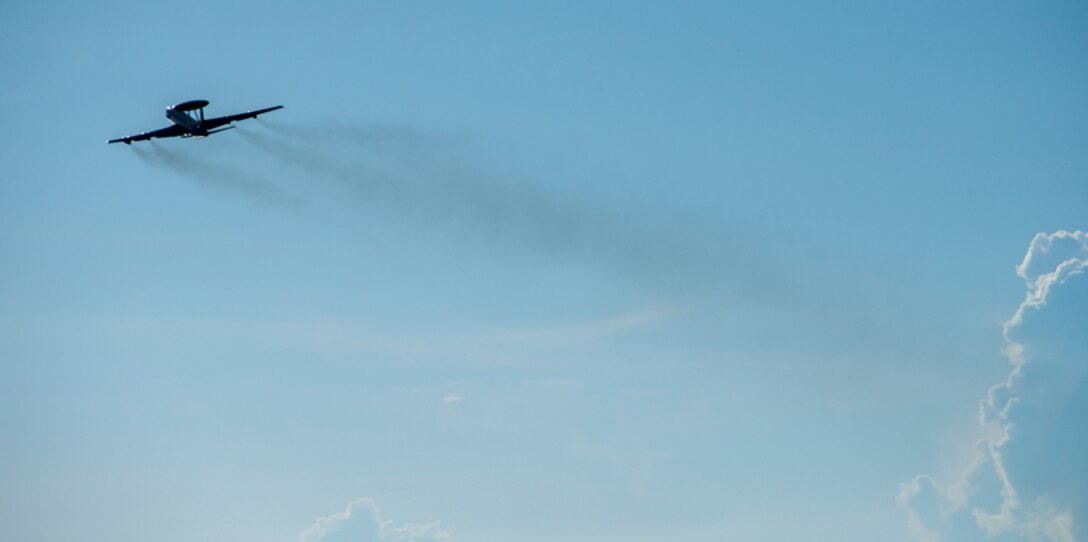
1028, 476
487, 344
594, 330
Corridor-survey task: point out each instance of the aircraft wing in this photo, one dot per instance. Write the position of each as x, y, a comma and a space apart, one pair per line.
169, 131
210, 124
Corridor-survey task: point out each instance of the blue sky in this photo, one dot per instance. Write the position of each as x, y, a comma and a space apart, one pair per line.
701, 271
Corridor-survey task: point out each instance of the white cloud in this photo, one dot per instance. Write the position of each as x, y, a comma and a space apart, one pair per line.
1053, 245
1028, 479
361, 521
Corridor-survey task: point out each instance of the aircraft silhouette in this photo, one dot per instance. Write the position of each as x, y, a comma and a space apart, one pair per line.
189, 121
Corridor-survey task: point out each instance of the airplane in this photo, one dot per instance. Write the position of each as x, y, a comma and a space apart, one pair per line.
189, 121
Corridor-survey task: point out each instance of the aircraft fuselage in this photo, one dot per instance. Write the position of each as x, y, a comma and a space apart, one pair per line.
182, 119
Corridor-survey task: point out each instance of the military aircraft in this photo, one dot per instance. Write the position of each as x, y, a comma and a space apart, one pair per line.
189, 121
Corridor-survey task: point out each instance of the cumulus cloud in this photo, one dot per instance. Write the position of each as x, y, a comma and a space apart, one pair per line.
361, 521
1027, 478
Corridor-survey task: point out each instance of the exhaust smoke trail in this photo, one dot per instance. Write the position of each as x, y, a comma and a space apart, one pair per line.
215, 175
399, 174
430, 179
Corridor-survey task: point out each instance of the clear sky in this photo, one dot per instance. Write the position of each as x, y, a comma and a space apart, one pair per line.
706, 271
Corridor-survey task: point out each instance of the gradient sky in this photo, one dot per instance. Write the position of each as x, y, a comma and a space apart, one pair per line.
541, 272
